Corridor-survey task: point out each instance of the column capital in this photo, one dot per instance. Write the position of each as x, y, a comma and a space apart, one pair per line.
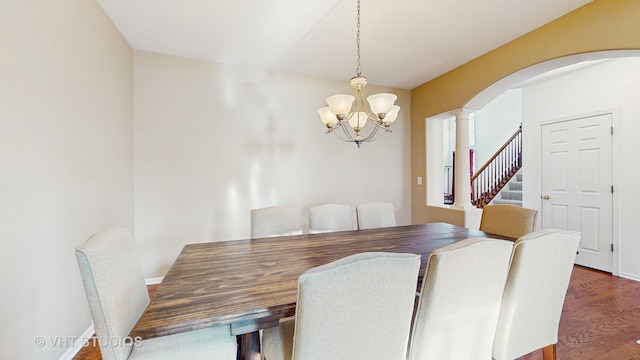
463, 115
462, 112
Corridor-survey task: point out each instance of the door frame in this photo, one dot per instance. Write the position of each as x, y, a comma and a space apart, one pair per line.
615, 176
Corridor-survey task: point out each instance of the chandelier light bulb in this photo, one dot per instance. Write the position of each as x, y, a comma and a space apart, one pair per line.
392, 115
358, 120
340, 104
381, 103
327, 117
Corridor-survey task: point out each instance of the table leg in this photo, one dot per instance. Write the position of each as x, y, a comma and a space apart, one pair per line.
249, 346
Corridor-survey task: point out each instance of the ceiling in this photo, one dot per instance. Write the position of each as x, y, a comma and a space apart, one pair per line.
404, 43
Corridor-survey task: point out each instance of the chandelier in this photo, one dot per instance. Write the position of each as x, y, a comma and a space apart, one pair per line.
350, 113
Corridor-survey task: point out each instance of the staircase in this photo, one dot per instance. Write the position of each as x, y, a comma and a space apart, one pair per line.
493, 176
512, 193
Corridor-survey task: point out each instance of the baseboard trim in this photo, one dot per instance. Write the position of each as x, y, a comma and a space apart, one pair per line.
153, 281
630, 276
79, 344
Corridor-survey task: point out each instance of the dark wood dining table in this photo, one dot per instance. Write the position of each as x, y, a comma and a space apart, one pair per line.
250, 285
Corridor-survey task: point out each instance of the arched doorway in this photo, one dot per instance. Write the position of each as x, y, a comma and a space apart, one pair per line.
613, 96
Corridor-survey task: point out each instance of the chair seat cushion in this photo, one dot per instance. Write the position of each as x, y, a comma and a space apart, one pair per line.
215, 343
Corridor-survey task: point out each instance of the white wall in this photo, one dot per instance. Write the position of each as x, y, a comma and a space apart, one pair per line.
66, 163
495, 123
612, 85
213, 141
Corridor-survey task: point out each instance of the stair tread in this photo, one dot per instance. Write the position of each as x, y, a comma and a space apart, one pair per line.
502, 201
512, 192
515, 186
511, 195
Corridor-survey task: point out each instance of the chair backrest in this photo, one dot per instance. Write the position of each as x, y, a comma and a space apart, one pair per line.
534, 294
115, 287
459, 302
358, 307
375, 215
330, 217
508, 220
275, 221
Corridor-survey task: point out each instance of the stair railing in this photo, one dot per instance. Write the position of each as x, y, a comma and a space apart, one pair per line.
487, 182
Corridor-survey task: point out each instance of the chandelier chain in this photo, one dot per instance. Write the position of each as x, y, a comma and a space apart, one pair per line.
359, 68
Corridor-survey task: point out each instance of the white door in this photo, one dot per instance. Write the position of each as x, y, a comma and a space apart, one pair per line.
577, 185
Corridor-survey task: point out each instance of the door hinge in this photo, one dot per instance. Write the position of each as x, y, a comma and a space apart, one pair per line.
612, 189
612, 130
611, 247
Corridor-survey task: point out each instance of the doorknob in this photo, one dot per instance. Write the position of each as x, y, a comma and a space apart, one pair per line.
545, 197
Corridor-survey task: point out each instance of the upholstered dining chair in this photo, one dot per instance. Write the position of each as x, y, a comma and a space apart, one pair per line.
275, 221
358, 307
508, 220
375, 215
534, 295
117, 296
330, 217
458, 308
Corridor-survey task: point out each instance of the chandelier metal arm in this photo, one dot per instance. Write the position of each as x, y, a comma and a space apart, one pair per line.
336, 132
377, 131
360, 98
347, 134
347, 137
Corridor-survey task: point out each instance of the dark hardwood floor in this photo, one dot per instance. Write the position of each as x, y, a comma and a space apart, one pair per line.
600, 320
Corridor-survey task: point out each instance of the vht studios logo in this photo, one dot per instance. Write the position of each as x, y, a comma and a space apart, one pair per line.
69, 341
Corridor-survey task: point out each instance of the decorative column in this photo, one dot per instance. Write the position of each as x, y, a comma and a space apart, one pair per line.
462, 181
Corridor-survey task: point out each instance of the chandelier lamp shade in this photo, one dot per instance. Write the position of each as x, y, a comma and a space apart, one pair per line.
347, 115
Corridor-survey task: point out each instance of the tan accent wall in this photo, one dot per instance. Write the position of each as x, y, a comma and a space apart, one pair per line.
602, 25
